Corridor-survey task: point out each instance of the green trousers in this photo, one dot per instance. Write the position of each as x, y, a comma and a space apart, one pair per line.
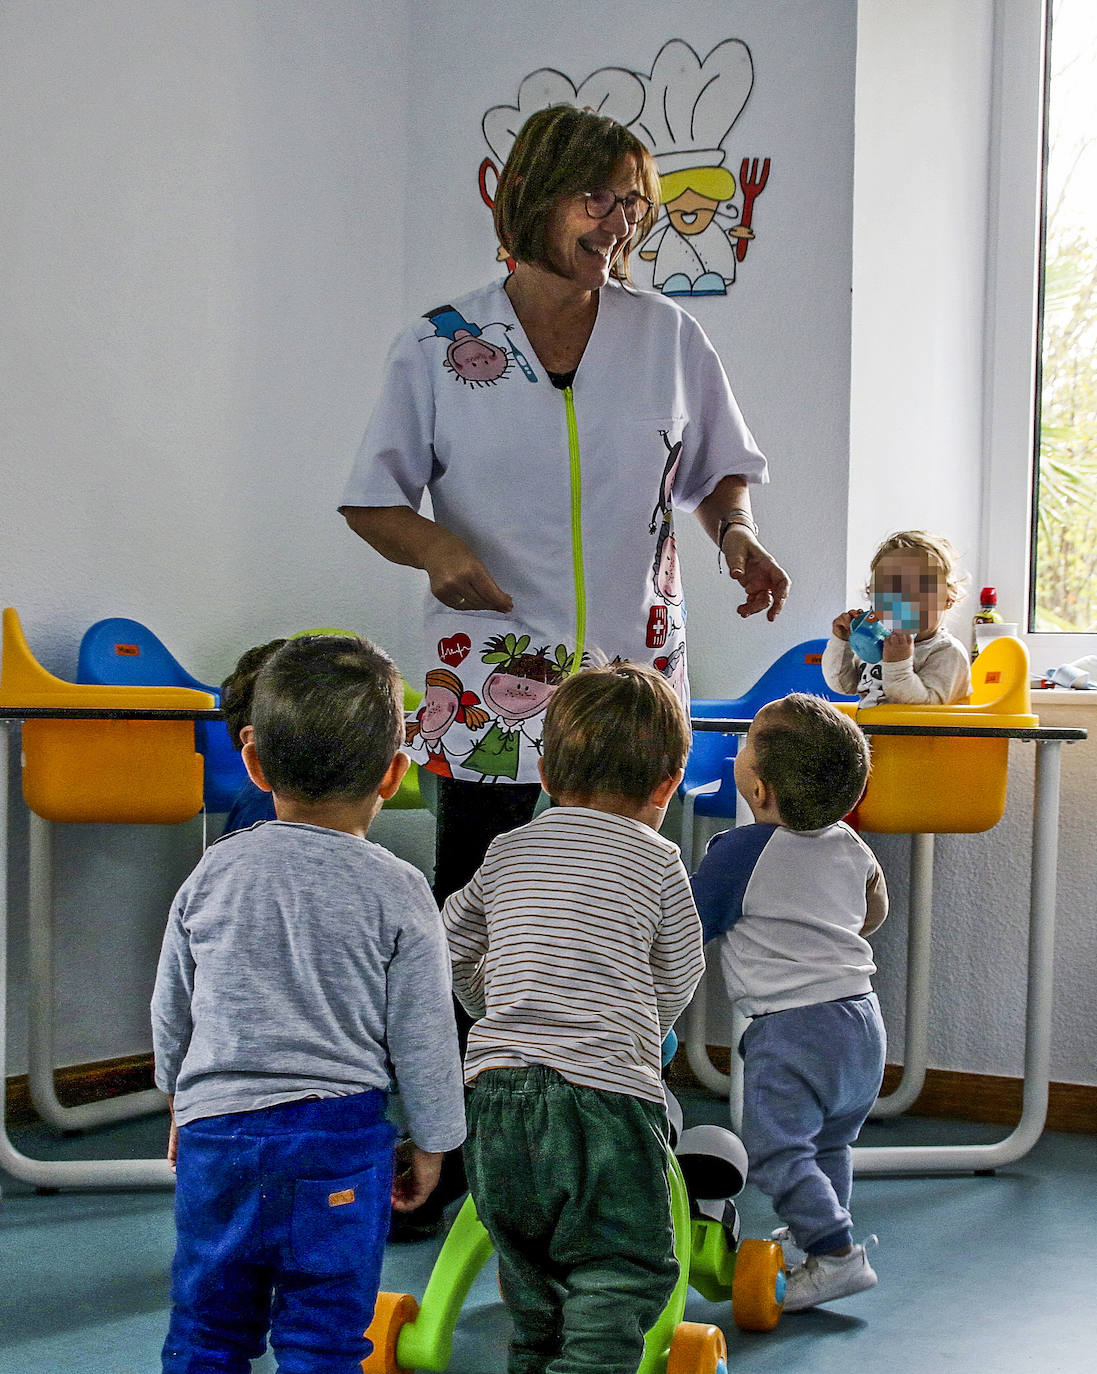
571, 1184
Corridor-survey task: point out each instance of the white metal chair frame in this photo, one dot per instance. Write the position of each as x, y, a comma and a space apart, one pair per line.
930, 1159
156, 1173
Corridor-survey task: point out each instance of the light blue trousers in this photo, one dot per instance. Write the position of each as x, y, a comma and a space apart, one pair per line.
810, 1077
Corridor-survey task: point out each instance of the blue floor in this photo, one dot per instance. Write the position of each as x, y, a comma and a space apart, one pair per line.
986, 1275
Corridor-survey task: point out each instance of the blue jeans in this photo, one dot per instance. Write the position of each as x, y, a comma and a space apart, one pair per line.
280, 1216
810, 1077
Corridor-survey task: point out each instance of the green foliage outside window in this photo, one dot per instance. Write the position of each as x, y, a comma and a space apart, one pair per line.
1065, 552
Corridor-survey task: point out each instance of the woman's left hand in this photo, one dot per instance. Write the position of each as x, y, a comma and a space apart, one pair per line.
762, 578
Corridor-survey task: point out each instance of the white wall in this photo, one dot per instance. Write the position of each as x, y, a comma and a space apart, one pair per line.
215, 216
203, 264
919, 273
920, 440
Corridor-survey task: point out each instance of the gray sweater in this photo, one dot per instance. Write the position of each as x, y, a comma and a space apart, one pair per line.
300, 961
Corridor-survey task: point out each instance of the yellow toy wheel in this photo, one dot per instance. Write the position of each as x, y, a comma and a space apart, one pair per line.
696, 1348
758, 1285
392, 1313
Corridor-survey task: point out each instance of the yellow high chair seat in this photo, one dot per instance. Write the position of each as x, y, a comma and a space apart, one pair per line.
133, 772
940, 785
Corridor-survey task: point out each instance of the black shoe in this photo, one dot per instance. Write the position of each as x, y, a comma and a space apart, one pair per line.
422, 1224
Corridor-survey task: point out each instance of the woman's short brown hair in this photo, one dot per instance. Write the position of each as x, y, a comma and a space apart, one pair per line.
616, 731
560, 151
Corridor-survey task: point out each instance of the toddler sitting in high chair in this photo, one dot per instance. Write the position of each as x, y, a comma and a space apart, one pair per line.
914, 579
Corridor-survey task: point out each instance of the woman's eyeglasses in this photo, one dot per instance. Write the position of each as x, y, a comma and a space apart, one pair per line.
599, 204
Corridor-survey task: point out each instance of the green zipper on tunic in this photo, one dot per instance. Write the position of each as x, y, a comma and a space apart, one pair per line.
576, 531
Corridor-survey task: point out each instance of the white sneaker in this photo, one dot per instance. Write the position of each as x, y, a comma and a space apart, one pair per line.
791, 1251
822, 1278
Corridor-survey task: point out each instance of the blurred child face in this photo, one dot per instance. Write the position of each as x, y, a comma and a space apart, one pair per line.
911, 587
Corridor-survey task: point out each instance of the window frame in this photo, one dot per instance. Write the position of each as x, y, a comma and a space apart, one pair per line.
1015, 225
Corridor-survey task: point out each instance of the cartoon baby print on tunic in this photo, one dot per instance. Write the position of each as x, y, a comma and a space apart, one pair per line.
667, 613
470, 356
445, 702
666, 579
673, 668
518, 689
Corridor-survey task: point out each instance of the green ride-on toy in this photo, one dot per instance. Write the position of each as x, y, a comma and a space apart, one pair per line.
411, 1336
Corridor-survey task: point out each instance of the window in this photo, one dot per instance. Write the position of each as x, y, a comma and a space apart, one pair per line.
1011, 440
1064, 537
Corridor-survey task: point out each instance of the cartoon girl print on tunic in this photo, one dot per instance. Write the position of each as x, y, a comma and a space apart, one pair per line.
445, 702
518, 690
673, 667
666, 579
472, 358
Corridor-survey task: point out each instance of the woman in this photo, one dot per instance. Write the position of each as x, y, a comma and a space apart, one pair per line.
547, 415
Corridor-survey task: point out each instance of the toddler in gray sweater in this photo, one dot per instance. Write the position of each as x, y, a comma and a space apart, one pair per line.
304, 974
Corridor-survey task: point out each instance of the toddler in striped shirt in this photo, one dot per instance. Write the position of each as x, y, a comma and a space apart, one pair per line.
576, 945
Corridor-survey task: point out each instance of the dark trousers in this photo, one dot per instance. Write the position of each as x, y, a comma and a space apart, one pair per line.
571, 1184
280, 1218
469, 816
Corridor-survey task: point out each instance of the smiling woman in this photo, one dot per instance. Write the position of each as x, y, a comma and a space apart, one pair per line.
555, 475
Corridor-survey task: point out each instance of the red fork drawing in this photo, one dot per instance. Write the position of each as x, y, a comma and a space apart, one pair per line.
488, 197
752, 184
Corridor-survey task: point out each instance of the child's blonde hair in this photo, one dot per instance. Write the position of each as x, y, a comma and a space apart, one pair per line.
935, 546
618, 730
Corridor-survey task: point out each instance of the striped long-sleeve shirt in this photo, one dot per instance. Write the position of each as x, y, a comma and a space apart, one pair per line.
576, 944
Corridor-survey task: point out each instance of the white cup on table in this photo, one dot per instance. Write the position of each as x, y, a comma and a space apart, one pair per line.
985, 633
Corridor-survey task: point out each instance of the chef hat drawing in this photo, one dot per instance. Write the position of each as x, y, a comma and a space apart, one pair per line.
690, 105
610, 91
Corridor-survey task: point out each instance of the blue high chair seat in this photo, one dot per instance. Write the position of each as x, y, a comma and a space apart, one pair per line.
123, 652
708, 788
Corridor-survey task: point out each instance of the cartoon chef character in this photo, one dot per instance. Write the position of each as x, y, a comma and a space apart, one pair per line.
690, 106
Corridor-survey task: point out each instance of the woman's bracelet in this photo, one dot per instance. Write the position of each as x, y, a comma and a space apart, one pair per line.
733, 517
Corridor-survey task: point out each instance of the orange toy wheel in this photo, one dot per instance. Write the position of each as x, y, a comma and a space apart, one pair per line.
696, 1348
390, 1316
758, 1285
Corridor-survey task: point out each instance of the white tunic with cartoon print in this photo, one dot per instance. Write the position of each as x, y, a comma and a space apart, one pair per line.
575, 521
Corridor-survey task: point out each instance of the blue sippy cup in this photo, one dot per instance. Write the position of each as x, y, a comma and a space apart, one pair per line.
866, 636
869, 630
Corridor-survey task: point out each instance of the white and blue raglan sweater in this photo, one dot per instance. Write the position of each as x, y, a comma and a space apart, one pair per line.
793, 909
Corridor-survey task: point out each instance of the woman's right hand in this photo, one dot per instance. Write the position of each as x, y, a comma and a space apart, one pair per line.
459, 579
840, 626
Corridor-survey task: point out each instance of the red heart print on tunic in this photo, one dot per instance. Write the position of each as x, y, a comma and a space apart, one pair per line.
455, 649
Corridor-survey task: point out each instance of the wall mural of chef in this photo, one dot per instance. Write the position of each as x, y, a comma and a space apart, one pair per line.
684, 110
